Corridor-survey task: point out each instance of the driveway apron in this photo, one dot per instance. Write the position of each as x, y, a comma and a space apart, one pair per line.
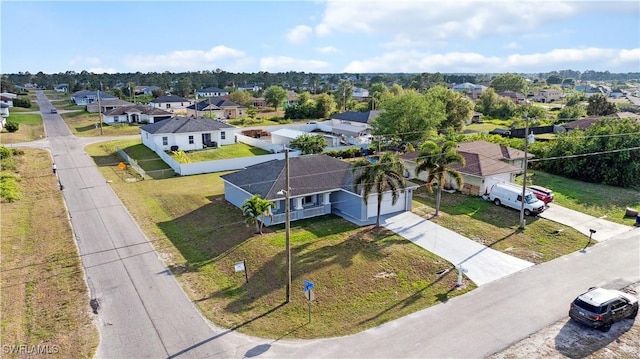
480, 263
584, 222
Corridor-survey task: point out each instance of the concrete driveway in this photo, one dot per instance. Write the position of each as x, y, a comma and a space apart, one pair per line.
480, 263
584, 222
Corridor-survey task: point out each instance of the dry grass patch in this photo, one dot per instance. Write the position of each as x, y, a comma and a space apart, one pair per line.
84, 123
44, 295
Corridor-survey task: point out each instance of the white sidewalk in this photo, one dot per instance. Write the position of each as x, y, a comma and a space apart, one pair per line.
584, 222
482, 264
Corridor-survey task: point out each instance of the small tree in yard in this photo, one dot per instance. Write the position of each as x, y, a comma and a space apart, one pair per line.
309, 144
255, 209
274, 95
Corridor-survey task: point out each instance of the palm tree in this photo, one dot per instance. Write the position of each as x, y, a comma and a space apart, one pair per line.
437, 162
255, 208
386, 173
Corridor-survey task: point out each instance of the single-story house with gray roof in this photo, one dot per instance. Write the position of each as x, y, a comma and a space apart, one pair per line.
170, 102
135, 114
187, 133
212, 92
218, 107
319, 185
86, 97
353, 123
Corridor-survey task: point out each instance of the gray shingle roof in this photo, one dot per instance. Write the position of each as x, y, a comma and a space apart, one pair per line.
87, 93
354, 116
185, 125
308, 174
169, 98
215, 102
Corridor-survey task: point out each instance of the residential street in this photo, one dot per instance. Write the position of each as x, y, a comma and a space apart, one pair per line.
144, 313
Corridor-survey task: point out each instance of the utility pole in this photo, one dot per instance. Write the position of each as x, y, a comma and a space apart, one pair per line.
524, 179
100, 109
287, 224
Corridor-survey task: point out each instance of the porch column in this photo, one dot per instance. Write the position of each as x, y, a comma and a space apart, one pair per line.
297, 203
325, 198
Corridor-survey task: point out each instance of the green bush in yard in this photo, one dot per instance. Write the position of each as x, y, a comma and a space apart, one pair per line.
9, 190
22, 102
5, 153
12, 126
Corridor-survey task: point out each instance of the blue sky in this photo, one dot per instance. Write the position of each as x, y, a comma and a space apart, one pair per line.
448, 36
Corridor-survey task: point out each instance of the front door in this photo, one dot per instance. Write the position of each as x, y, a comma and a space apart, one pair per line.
206, 138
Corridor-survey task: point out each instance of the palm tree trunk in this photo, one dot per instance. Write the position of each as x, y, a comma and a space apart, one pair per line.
438, 195
379, 210
258, 230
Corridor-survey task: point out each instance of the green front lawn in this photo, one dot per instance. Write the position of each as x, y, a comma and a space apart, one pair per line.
31, 128
83, 124
235, 150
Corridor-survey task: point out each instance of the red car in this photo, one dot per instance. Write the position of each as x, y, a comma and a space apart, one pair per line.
543, 194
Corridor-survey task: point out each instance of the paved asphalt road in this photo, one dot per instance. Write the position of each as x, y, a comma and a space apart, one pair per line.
145, 314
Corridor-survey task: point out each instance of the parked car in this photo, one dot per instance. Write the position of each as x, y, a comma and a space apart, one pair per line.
510, 195
53, 110
599, 308
543, 194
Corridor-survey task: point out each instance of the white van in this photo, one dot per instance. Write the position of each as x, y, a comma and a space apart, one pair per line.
510, 195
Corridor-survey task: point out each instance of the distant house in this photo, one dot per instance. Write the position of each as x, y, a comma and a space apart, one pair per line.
616, 93
212, 92
218, 107
284, 136
135, 114
249, 87
170, 103
319, 185
6, 100
353, 123
581, 124
360, 94
63, 87
472, 90
107, 105
547, 95
145, 90
187, 133
516, 97
86, 97
486, 164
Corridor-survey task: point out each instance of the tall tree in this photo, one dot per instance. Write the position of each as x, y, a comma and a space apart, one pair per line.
325, 105
241, 97
343, 94
437, 161
408, 117
384, 174
274, 95
255, 209
309, 143
458, 107
597, 105
509, 82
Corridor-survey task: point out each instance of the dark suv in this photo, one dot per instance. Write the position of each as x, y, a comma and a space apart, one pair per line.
599, 308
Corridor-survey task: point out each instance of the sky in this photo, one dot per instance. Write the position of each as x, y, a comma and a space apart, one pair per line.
323, 36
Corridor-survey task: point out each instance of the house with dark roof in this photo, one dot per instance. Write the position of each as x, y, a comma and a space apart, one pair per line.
212, 92
145, 90
217, 107
170, 103
86, 97
353, 123
514, 96
135, 114
486, 164
62, 87
187, 133
319, 185
472, 90
107, 105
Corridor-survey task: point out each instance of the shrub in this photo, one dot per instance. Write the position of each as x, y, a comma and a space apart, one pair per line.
9, 190
5, 153
22, 102
12, 126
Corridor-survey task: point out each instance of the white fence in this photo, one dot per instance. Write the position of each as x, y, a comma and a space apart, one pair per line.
185, 169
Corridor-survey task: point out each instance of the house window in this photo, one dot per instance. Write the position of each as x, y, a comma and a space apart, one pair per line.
168, 105
116, 119
191, 140
223, 135
308, 200
165, 141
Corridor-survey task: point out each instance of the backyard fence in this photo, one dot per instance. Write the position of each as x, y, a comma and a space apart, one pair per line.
133, 163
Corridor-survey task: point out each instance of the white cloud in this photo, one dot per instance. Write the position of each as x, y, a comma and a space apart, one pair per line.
512, 45
327, 50
462, 62
184, 60
299, 34
285, 63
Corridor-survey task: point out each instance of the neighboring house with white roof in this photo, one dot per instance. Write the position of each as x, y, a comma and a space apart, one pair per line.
360, 94
212, 92
187, 133
284, 136
353, 123
170, 103
135, 114
319, 185
249, 87
63, 87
